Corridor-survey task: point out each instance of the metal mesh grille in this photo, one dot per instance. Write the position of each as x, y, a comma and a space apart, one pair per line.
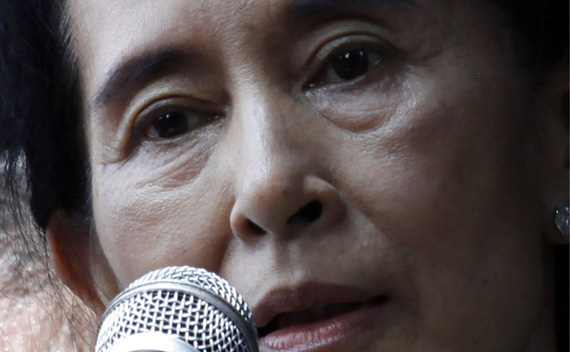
179, 314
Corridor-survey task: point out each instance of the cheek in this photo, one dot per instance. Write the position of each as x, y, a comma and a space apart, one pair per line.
158, 224
451, 149
444, 182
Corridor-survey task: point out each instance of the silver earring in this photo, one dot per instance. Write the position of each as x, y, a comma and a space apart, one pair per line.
561, 219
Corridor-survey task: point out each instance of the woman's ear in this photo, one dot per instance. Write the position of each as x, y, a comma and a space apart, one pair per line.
553, 96
72, 254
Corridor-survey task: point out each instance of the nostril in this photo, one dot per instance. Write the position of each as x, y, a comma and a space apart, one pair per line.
308, 213
254, 228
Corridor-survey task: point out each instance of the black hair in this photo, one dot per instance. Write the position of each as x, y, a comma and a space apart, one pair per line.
540, 32
40, 108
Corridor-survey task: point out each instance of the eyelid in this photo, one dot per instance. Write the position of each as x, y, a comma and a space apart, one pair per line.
353, 40
309, 45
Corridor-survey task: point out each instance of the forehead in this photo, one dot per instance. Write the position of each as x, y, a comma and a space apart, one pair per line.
124, 25
121, 12
108, 33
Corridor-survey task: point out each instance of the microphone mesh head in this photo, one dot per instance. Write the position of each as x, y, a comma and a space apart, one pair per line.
190, 304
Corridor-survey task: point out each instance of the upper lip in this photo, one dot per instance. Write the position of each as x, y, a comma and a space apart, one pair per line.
305, 296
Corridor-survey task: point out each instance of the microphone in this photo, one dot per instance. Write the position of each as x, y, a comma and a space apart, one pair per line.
178, 309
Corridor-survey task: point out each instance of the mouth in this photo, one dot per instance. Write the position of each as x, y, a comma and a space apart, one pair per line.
307, 319
314, 315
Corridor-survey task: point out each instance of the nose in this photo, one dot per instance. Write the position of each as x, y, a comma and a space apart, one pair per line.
284, 205
281, 187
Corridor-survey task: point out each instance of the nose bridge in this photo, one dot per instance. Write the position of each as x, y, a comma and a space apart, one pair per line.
270, 165
276, 188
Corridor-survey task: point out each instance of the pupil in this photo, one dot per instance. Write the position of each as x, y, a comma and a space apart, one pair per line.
351, 64
170, 125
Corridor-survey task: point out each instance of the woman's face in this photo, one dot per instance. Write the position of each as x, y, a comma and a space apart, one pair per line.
358, 170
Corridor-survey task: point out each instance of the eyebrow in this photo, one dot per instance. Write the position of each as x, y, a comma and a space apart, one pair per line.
306, 10
137, 70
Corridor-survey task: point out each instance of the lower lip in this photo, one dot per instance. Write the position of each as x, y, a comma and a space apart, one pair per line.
325, 333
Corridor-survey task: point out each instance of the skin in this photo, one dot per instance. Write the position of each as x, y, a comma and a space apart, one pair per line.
435, 187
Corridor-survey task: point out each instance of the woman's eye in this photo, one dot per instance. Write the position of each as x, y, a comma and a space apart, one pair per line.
173, 117
345, 65
169, 125
351, 64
